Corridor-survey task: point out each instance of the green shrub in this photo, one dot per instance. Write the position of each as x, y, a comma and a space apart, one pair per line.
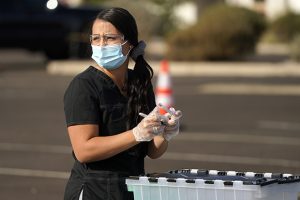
146, 21
286, 27
222, 32
295, 48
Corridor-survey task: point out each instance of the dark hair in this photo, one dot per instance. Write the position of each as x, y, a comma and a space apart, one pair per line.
138, 85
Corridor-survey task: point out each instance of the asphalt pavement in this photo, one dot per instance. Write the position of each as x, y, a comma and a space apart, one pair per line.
237, 116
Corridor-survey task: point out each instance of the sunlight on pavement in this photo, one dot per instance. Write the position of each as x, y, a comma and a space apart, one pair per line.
249, 89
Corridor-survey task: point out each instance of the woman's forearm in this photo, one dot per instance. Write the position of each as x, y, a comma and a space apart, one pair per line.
103, 147
157, 147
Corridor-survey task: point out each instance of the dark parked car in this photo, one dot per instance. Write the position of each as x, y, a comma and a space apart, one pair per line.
46, 25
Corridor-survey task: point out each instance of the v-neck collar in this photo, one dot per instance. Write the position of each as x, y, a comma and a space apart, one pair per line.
108, 79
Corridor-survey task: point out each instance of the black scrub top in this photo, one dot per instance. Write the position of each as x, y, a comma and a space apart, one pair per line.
93, 98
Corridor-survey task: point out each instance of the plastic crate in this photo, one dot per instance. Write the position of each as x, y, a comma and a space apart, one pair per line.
214, 185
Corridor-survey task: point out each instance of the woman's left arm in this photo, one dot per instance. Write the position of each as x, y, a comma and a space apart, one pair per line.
157, 147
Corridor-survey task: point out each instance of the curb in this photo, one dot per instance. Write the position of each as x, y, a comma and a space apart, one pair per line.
196, 69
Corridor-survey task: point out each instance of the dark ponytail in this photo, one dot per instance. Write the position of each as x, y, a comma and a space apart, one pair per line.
138, 88
138, 85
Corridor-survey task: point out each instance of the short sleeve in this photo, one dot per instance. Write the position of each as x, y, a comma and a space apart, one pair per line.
81, 104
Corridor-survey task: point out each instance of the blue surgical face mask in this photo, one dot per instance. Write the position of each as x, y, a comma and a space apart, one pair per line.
110, 56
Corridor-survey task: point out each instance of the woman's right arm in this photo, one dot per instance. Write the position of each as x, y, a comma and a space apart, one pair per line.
88, 146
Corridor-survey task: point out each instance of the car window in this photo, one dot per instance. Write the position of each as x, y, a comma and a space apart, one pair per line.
10, 6
35, 5
23, 6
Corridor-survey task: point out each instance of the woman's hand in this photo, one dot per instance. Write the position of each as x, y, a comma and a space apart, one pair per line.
149, 127
173, 124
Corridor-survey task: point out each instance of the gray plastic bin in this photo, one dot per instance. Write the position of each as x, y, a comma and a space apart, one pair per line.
193, 184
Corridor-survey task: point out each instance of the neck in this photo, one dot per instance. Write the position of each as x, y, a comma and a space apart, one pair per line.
119, 75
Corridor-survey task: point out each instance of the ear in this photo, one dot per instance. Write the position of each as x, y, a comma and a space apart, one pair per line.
130, 48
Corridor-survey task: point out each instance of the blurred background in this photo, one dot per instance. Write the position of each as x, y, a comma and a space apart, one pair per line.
234, 72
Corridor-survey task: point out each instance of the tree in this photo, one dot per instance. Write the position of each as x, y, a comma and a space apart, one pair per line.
163, 10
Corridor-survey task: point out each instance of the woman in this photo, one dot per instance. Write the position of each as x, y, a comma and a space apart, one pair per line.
102, 106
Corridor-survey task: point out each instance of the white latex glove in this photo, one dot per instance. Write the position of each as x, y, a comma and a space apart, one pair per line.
149, 127
173, 124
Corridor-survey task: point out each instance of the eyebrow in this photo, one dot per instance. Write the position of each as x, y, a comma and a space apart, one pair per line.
106, 34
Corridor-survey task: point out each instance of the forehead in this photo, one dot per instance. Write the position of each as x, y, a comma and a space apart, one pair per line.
104, 27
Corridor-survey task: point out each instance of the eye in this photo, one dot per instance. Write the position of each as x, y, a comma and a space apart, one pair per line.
111, 37
95, 37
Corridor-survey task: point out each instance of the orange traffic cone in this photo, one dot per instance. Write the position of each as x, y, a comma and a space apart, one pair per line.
164, 93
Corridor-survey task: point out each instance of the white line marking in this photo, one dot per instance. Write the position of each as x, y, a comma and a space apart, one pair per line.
211, 158
248, 89
192, 157
35, 148
34, 173
279, 125
238, 138
183, 136
176, 156
199, 69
